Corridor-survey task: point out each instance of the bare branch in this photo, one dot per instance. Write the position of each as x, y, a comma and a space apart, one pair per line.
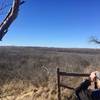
94, 40
11, 16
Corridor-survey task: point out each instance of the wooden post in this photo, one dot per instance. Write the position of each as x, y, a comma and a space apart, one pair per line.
67, 74
58, 78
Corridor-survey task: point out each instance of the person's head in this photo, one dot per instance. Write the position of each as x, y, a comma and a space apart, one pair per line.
95, 77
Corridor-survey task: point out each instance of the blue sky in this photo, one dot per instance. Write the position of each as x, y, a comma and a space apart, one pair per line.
55, 23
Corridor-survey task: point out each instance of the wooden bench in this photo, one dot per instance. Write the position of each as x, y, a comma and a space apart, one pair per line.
59, 73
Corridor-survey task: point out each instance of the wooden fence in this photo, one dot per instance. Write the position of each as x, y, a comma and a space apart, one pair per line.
59, 73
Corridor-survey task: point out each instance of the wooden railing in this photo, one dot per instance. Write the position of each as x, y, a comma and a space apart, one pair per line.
59, 73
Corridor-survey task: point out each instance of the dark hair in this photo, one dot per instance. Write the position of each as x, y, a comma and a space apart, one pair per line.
95, 85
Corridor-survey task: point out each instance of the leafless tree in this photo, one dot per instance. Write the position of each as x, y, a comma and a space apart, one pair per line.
94, 40
10, 17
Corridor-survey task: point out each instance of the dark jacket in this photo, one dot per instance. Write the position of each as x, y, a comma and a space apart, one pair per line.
82, 92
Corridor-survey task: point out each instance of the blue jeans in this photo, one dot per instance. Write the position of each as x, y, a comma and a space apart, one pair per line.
96, 94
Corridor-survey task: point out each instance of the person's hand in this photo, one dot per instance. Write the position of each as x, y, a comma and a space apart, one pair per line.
93, 76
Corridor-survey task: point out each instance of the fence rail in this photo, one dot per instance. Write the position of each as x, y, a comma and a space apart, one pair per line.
59, 73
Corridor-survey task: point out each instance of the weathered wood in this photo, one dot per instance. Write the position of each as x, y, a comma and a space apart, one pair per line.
58, 78
59, 73
65, 86
74, 74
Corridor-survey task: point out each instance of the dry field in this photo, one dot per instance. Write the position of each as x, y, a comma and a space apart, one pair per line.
29, 73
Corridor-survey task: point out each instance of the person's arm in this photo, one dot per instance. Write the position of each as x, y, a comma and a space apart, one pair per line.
82, 87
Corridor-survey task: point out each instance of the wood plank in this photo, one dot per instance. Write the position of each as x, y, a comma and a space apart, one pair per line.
74, 74
65, 86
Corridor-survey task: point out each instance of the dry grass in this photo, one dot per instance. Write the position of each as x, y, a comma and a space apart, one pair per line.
27, 72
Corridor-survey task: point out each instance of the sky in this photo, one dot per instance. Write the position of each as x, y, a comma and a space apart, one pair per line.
55, 23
